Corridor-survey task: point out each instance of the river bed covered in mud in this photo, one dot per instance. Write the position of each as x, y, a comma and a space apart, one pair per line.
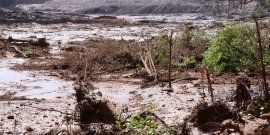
52, 93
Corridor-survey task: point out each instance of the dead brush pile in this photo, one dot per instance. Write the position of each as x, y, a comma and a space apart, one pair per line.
99, 57
23, 48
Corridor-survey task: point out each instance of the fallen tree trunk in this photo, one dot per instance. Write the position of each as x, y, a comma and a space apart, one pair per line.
39, 42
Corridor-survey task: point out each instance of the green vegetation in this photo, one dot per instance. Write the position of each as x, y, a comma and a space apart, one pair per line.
27, 54
232, 49
143, 71
259, 13
160, 45
186, 50
259, 109
188, 63
143, 124
175, 64
186, 36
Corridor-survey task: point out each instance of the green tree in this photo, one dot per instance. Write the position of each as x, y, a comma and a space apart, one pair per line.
232, 49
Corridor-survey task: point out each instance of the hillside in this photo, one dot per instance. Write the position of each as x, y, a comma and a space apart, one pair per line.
126, 6
111, 6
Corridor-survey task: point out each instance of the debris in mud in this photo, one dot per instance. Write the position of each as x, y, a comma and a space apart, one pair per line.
112, 20
92, 108
242, 94
40, 42
23, 48
11, 96
65, 129
100, 129
256, 127
208, 116
100, 57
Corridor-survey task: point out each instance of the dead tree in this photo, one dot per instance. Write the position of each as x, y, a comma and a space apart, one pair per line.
261, 59
146, 58
170, 60
242, 94
210, 89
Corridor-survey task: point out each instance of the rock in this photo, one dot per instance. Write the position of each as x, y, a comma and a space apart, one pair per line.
73, 77
69, 129
29, 129
10, 117
9, 54
197, 85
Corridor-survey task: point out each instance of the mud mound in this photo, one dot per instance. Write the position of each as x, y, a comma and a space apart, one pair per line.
96, 115
92, 107
209, 116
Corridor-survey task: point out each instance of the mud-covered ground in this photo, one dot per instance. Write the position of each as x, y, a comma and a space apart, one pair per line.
37, 92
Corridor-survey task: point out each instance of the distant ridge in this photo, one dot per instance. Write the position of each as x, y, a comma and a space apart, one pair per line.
128, 6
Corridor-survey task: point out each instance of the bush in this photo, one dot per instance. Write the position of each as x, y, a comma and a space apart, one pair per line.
143, 124
161, 46
175, 64
27, 54
189, 63
232, 49
144, 71
259, 109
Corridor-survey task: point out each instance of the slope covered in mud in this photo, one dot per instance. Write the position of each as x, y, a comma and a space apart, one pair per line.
129, 6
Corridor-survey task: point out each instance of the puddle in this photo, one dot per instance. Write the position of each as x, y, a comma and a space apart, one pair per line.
31, 84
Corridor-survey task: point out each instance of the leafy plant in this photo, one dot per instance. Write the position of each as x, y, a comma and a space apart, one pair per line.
143, 124
175, 64
187, 36
261, 108
144, 71
232, 49
27, 54
189, 63
159, 56
160, 45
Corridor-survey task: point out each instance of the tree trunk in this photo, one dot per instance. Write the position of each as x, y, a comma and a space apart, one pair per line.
261, 57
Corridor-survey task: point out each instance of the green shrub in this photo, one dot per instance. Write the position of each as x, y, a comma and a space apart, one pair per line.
144, 71
188, 63
27, 54
160, 50
175, 64
159, 57
200, 40
143, 124
232, 49
259, 109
